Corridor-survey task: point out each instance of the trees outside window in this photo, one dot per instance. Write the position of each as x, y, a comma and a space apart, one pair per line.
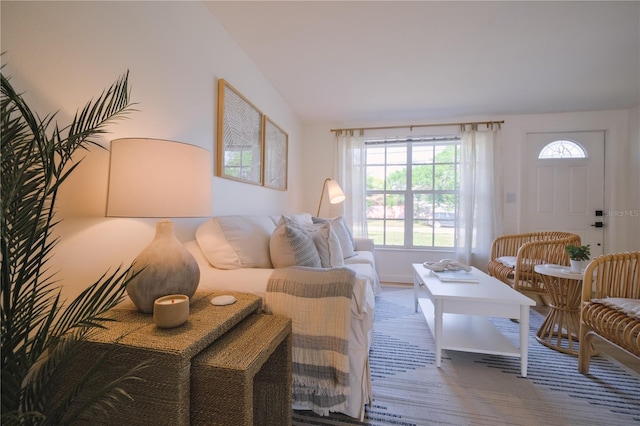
412, 191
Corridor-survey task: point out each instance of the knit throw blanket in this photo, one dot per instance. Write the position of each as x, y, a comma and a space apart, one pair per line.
318, 301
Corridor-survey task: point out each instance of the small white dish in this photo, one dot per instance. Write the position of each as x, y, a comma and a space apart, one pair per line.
223, 300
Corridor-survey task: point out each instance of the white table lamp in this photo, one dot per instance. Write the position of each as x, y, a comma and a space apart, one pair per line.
163, 179
333, 191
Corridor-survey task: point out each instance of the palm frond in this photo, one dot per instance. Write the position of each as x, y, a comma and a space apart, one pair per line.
89, 393
37, 157
92, 302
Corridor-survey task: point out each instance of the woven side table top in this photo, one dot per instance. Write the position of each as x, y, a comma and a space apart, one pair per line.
247, 346
206, 323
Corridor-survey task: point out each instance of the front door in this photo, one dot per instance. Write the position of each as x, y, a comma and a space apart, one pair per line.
564, 185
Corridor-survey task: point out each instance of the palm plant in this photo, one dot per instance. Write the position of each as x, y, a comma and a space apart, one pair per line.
40, 335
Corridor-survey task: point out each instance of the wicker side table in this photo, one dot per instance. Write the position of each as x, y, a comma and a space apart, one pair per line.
245, 377
561, 328
162, 397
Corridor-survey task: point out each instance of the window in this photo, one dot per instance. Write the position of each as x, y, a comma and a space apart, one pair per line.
562, 149
412, 191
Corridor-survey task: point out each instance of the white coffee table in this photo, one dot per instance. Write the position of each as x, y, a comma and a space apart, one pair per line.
457, 314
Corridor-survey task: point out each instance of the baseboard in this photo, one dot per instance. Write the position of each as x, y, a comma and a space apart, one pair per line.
404, 279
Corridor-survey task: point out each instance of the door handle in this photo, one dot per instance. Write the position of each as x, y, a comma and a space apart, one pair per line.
598, 224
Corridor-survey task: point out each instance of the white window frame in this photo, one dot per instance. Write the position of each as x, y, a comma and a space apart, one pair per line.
562, 149
409, 241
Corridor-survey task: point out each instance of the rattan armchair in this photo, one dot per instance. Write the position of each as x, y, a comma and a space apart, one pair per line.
610, 304
514, 257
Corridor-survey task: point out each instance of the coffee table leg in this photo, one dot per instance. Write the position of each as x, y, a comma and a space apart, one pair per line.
524, 339
438, 330
416, 283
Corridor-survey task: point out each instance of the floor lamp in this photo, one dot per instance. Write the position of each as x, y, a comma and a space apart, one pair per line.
333, 191
161, 179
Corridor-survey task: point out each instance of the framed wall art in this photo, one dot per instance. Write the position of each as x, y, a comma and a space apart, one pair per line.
275, 155
239, 137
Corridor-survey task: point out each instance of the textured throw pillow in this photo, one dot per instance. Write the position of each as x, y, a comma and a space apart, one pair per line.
327, 243
300, 218
508, 261
344, 235
236, 241
291, 245
630, 307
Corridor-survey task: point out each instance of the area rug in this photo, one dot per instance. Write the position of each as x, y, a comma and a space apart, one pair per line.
477, 389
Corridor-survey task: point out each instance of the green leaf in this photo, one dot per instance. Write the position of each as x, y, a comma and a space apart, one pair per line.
40, 335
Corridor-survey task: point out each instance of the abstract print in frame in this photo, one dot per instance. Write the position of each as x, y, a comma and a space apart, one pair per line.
275, 155
240, 141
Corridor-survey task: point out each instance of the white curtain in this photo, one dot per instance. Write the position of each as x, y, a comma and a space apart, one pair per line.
480, 207
350, 168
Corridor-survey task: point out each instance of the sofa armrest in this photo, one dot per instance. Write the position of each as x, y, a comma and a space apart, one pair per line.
363, 244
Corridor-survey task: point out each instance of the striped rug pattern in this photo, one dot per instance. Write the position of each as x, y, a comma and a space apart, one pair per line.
480, 389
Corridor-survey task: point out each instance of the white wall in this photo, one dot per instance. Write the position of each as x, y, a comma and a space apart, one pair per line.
62, 54
622, 176
633, 176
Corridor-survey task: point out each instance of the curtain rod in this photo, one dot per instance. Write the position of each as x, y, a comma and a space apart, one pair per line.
412, 126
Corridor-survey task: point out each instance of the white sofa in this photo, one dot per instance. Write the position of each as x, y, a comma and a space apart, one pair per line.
238, 253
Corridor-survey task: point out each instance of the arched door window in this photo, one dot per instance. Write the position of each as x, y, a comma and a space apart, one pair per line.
562, 149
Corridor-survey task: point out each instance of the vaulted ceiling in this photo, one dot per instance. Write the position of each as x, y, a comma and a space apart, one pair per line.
372, 61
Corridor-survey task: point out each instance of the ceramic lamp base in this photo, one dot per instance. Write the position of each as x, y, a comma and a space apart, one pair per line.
163, 267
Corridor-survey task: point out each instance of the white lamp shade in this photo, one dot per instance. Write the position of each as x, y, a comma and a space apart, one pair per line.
335, 192
159, 178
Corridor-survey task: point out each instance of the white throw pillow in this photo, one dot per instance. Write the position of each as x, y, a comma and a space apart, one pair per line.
291, 245
300, 218
630, 307
344, 235
508, 261
233, 242
327, 243
323, 237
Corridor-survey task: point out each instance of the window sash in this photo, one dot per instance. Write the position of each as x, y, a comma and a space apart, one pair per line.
406, 216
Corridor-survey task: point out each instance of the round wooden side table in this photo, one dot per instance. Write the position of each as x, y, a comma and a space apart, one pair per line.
561, 328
